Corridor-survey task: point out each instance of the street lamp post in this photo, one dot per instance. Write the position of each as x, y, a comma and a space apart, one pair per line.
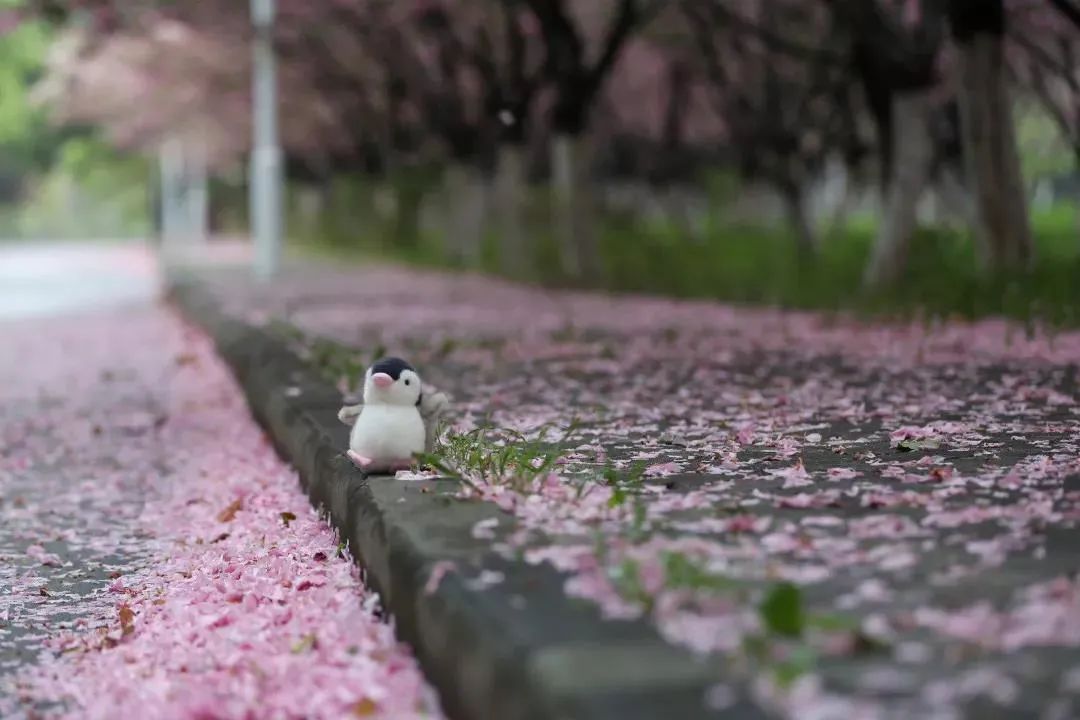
171, 164
197, 190
264, 181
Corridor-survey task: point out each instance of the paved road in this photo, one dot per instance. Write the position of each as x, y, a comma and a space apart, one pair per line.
40, 279
64, 504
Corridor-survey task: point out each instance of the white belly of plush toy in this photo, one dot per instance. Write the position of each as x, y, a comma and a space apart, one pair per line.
387, 433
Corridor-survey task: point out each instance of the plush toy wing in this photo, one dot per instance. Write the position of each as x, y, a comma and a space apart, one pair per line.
432, 406
349, 413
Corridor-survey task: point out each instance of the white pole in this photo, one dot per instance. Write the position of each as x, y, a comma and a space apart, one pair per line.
164, 192
197, 191
170, 160
264, 179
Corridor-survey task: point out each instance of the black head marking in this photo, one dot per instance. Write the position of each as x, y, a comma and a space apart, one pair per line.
392, 366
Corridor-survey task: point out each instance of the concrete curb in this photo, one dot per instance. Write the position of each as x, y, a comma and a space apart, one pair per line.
516, 650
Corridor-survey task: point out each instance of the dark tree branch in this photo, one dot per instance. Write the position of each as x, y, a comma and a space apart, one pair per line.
624, 23
719, 14
565, 52
1068, 9
1055, 110
1041, 57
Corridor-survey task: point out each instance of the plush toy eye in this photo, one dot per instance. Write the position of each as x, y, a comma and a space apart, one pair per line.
408, 382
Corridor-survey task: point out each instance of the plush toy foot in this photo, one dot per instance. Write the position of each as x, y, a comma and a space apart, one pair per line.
359, 460
370, 465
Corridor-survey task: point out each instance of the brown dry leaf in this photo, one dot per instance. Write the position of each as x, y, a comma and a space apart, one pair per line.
365, 708
287, 517
229, 513
941, 473
186, 359
127, 619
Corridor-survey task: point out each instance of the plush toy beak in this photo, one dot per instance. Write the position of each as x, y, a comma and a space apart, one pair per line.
382, 380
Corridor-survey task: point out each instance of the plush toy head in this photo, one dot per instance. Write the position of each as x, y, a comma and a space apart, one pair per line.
392, 381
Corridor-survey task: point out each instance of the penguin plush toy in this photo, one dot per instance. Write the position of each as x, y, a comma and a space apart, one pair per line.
396, 420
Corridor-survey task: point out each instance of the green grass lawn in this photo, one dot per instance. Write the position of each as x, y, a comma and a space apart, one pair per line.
942, 278
761, 265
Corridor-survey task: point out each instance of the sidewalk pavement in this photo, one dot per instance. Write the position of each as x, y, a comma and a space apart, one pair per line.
839, 519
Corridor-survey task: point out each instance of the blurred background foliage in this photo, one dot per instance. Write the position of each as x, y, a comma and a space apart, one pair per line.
58, 181
766, 185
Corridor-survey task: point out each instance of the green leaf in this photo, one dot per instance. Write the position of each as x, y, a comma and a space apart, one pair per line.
436, 462
832, 622
448, 346
304, 644
782, 610
800, 662
354, 373
863, 644
640, 515
600, 548
682, 572
627, 581
756, 647
909, 444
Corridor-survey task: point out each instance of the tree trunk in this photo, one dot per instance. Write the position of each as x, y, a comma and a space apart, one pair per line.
408, 198
309, 210
847, 202
992, 160
515, 256
465, 191
572, 207
912, 150
929, 209
682, 210
837, 183
956, 201
801, 224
